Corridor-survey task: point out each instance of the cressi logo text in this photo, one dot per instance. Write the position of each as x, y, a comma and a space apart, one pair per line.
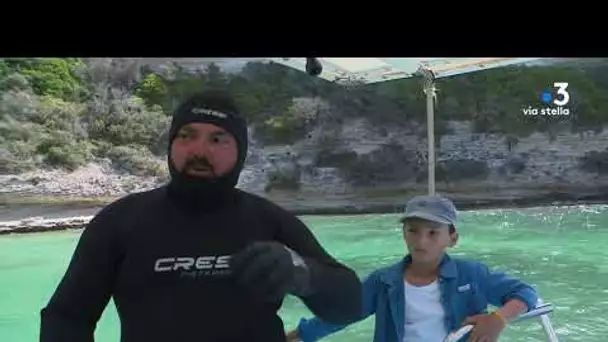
194, 267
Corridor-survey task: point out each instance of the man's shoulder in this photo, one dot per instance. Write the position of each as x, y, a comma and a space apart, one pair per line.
260, 202
132, 200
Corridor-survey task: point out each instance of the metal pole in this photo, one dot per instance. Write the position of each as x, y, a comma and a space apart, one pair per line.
545, 322
429, 90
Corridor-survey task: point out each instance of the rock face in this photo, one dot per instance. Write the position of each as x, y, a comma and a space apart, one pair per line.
544, 161
475, 170
94, 180
534, 161
39, 224
339, 165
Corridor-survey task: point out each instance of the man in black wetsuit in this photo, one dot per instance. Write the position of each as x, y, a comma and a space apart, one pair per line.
198, 260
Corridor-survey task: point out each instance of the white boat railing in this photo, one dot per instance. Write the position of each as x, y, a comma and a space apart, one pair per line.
545, 322
542, 311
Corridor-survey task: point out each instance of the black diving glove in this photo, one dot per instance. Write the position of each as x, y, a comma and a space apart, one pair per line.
271, 270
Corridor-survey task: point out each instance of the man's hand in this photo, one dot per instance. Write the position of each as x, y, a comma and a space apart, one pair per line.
292, 336
486, 328
270, 270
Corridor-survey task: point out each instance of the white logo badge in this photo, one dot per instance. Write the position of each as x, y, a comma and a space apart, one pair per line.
464, 288
205, 111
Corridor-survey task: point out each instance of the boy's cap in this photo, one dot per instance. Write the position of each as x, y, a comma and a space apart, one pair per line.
432, 208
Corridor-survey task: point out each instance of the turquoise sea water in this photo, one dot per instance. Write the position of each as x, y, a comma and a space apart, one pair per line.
562, 251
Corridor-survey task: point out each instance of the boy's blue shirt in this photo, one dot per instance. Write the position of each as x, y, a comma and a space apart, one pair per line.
467, 287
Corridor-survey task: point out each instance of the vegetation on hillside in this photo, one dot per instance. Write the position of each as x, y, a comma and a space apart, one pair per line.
67, 112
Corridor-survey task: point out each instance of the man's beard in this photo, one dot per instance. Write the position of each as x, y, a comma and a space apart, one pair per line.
199, 164
200, 191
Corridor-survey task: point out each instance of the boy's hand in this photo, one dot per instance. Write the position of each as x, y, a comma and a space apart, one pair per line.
292, 336
486, 328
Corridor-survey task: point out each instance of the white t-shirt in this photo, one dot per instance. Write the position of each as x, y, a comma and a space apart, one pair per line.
424, 314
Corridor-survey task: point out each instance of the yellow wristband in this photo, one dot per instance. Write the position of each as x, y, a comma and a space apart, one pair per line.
500, 316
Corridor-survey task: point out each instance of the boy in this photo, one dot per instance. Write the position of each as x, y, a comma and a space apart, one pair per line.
427, 295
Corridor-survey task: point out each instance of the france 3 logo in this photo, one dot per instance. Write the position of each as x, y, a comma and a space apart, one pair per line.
554, 101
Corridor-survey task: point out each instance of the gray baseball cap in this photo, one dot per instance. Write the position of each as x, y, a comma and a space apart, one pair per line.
432, 208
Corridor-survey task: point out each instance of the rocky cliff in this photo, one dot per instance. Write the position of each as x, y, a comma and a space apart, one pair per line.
471, 167
342, 151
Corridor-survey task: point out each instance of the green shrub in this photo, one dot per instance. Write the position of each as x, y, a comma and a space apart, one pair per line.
4, 69
55, 114
12, 130
13, 164
55, 77
14, 82
19, 105
69, 156
62, 149
289, 126
136, 160
129, 122
281, 130
153, 90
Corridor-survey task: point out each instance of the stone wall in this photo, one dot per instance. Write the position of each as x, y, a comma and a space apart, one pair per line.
546, 162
